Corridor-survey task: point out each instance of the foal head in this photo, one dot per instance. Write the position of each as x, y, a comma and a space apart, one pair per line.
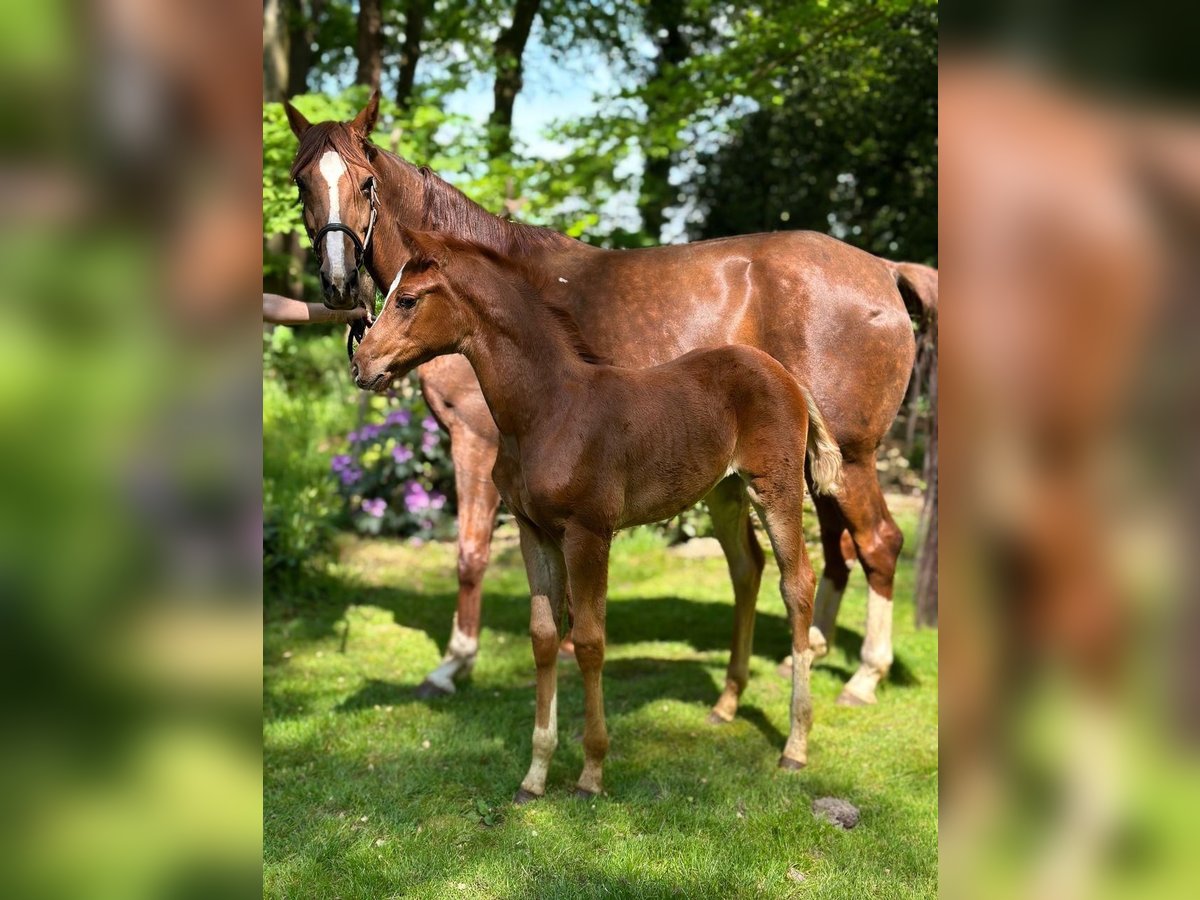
337, 188
424, 314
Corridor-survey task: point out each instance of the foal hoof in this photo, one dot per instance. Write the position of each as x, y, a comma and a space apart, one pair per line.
845, 698
523, 796
791, 765
584, 793
427, 690
715, 718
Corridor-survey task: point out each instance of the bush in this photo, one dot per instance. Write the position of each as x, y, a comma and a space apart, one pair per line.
395, 472
306, 396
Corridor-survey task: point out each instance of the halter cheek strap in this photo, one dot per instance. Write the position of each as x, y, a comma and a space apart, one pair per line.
358, 328
360, 245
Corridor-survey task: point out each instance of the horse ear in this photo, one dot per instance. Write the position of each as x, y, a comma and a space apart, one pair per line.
364, 122
424, 248
296, 120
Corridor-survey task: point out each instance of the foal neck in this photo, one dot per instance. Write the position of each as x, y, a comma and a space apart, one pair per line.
522, 357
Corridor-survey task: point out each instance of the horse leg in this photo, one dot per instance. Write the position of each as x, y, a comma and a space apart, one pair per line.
836, 573
878, 540
780, 505
473, 456
547, 588
730, 510
586, 555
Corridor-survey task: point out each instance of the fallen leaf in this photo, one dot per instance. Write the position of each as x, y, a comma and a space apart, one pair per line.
795, 874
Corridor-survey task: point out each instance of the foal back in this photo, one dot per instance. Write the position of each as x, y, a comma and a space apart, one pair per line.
668, 434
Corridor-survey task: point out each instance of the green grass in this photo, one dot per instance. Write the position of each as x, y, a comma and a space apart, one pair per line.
371, 793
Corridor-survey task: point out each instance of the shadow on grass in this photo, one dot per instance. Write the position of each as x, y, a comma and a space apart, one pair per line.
315, 608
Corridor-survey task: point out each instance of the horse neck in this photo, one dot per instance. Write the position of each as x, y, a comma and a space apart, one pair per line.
403, 197
520, 356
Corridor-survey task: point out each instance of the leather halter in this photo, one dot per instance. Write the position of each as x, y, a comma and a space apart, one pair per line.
360, 245
358, 328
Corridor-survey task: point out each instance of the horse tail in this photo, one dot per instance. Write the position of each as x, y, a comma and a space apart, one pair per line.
918, 286
824, 455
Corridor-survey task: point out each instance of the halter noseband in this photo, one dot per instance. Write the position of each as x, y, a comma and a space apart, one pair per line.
360, 245
358, 328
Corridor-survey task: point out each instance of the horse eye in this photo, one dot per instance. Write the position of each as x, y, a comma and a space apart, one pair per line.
366, 185
406, 301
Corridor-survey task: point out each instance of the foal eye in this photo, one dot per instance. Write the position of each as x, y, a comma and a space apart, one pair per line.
406, 301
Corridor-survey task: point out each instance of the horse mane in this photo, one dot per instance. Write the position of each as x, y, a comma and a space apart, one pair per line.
532, 283
336, 136
447, 209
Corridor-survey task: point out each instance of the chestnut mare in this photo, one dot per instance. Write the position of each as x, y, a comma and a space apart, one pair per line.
587, 449
833, 315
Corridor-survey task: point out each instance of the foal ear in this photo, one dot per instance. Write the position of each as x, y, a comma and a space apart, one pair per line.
424, 248
364, 123
296, 119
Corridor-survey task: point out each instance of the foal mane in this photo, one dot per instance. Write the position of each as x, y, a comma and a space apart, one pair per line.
531, 283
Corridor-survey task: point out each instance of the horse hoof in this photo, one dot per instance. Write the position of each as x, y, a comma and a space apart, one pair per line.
584, 793
523, 796
845, 698
715, 718
427, 690
791, 765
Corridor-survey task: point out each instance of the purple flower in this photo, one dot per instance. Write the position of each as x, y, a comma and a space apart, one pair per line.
401, 454
416, 498
399, 417
370, 432
352, 437
437, 500
374, 507
429, 423
429, 441
427, 524
340, 462
350, 475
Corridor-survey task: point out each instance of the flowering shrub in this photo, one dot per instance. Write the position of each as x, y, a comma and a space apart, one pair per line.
395, 473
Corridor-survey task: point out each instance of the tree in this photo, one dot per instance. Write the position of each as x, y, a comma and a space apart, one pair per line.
410, 52
664, 19
369, 47
508, 52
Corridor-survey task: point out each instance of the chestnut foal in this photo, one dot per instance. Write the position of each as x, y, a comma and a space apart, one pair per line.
587, 449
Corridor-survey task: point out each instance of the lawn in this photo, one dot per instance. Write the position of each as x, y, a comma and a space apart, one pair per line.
371, 793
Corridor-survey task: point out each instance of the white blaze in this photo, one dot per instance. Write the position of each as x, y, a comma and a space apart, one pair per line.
332, 169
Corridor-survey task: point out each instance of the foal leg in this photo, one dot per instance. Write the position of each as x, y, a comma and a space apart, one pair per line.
878, 540
839, 552
586, 555
547, 587
473, 455
730, 510
836, 573
781, 505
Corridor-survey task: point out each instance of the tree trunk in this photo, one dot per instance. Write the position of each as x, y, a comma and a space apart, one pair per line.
275, 51
410, 54
370, 43
508, 51
663, 18
302, 30
927, 555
